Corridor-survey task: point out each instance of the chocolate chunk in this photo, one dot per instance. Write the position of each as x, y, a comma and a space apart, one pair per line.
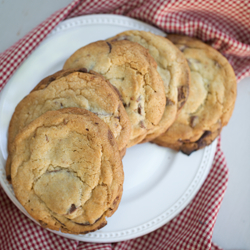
182, 93
141, 123
42, 223
83, 70
87, 129
72, 209
50, 80
8, 177
205, 134
47, 139
126, 105
110, 47
202, 142
111, 138
61, 105
139, 109
193, 121
189, 148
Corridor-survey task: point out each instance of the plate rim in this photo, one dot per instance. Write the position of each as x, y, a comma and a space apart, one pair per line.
177, 207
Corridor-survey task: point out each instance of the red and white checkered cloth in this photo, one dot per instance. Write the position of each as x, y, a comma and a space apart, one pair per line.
225, 24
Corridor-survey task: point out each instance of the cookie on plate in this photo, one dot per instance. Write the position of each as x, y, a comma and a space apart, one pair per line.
211, 98
173, 69
130, 68
73, 88
67, 171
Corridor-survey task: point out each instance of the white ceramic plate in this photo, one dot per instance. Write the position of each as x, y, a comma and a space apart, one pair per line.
159, 182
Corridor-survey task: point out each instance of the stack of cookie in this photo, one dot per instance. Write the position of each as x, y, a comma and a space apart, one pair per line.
68, 136
65, 141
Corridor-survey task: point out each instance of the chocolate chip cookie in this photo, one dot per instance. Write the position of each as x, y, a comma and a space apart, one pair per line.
211, 98
173, 68
67, 171
73, 88
131, 69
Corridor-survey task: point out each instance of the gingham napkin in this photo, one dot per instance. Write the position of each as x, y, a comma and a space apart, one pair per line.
223, 24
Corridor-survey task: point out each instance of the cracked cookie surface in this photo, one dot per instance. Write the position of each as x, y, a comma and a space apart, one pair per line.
67, 171
72, 89
211, 98
173, 69
133, 72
